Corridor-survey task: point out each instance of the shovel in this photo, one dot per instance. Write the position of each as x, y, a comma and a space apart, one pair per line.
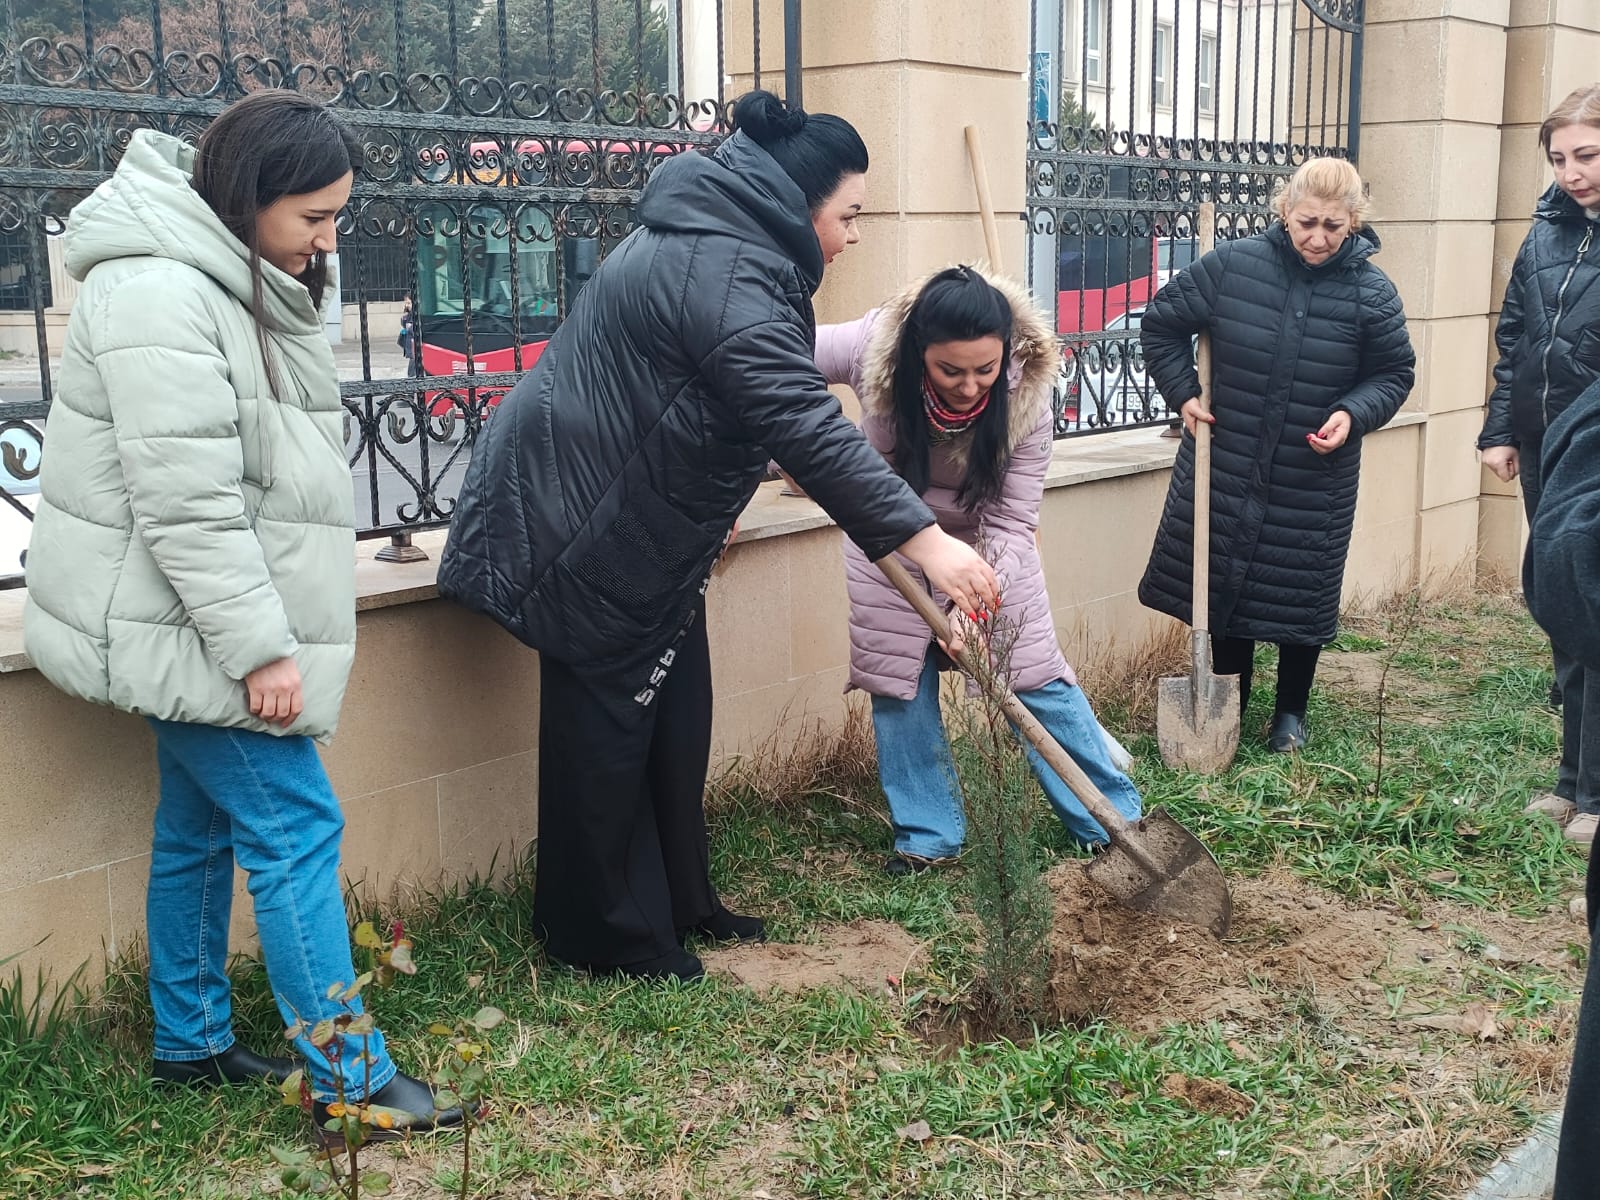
1152, 865
1197, 717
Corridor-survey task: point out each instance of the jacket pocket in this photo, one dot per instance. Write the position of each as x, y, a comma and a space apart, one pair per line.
645, 558
257, 424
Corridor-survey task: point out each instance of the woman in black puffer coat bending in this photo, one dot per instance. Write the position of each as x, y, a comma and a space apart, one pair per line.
1309, 354
609, 482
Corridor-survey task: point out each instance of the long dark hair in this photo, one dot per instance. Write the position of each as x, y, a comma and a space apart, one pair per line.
269, 145
816, 150
957, 305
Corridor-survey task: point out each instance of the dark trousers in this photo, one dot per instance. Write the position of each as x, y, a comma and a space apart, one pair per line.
1578, 778
1297, 667
623, 863
1578, 1163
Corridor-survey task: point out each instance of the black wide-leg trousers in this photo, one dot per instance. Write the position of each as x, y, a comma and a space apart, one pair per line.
623, 864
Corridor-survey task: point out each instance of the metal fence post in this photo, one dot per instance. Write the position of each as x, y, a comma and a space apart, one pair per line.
791, 53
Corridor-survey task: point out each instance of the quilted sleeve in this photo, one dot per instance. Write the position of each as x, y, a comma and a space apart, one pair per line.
769, 372
1497, 429
1388, 363
1173, 317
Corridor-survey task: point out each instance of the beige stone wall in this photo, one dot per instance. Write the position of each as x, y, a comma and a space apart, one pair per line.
911, 75
436, 758
1552, 47
1432, 99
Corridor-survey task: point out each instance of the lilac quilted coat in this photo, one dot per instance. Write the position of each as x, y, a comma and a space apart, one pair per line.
888, 641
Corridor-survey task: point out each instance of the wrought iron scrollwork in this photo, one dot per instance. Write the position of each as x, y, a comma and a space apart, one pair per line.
1233, 99
485, 133
1344, 15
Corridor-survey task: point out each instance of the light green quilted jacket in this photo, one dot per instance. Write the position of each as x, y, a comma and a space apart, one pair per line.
191, 526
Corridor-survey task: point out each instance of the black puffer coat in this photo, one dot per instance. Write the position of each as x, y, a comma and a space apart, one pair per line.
1549, 331
1291, 345
600, 493
1561, 571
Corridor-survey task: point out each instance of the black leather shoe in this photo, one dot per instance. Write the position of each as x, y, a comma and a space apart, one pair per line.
236, 1064
674, 964
407, 1103
1287, 734
898, 866
725, 926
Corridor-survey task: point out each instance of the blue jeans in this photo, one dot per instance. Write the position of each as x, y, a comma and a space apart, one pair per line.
233, 795
919, 775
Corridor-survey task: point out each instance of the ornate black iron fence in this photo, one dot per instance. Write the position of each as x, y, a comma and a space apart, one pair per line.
1141, 110
506, 144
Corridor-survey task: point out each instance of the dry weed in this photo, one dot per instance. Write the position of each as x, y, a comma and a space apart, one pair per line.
803, 757
1116, 673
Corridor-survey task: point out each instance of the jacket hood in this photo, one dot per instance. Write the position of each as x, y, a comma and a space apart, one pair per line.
1556, 205
1035, 359
1358, 247
149, 209
739, 190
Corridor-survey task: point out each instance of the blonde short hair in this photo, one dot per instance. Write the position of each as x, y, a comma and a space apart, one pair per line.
1580, 108
1333, 180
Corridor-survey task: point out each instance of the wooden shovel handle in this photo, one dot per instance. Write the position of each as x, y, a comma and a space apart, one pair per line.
980, 181
1201, 599
978, 667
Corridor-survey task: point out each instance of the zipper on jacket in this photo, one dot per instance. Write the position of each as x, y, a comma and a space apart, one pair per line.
1561, 302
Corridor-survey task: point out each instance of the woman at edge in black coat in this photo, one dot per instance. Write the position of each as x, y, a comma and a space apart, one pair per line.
601, 493
1549, 341
1309, 354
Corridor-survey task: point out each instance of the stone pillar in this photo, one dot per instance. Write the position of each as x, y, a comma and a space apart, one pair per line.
1552, 47
1430, 146
911, 75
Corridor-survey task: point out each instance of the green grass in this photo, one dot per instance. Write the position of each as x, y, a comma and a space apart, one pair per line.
605, 1088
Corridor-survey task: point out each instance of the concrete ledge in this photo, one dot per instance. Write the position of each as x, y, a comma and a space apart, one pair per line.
1527, 1172
770, 514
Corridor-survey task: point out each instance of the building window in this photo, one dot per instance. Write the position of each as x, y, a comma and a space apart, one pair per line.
1094, 25
1161, 48
1208, 74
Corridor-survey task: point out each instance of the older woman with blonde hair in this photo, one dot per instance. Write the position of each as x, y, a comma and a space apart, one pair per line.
1309, 355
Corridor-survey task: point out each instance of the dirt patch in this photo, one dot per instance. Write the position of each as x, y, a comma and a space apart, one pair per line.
1289, 940
1209, 1096
1355, 671
863, 954
1408, 698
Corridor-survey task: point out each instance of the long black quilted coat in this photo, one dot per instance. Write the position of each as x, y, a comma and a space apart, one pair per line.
602, 489
1549, 330
1291, 344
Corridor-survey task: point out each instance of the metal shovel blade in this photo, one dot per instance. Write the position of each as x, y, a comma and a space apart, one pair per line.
1197, 728
1171, 874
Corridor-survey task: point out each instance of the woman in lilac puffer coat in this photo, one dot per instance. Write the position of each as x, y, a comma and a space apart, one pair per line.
954, 377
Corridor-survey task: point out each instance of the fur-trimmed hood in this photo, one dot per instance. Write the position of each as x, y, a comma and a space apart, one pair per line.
1035, 359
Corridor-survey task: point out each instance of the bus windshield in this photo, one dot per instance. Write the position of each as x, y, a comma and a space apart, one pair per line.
475, 264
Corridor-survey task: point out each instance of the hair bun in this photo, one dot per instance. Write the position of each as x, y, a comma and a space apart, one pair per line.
766, 118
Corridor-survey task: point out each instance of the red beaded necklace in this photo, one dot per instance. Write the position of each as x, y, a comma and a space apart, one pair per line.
942, 420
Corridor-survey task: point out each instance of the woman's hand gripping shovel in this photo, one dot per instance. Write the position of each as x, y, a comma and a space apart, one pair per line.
1153, 864
1197, 716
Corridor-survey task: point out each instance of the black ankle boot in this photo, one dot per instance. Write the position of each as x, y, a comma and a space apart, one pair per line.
898, 866
1287, 734
408, 1102
236, 1064
725, 926
677, 964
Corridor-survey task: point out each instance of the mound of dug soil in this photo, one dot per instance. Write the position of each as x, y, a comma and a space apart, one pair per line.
1144, 971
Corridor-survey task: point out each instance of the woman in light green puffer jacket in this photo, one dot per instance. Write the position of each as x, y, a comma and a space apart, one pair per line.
192, 560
